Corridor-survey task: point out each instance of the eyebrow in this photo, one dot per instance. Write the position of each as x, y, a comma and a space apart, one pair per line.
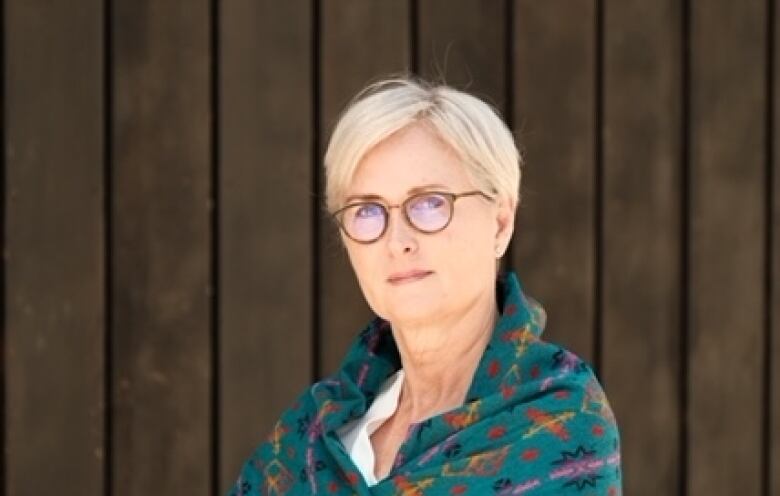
413, 191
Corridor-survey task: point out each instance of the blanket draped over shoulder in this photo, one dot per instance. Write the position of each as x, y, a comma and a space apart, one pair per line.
535, 421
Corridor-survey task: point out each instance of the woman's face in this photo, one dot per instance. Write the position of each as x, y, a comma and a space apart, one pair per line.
451, 270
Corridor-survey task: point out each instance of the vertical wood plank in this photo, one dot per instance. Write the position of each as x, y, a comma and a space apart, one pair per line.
774, 257
727, 238
54, 254
361, 42
265, 219
463, 44
642, 255
161, 248
553, 248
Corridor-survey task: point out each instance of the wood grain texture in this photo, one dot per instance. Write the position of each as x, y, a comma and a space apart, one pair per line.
642, 243
727, 308
361, 42
161, 248
774, 259
553, 247
265, 219
54, 253
464, 44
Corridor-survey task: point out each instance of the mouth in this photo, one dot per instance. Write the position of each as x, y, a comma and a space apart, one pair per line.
409, 276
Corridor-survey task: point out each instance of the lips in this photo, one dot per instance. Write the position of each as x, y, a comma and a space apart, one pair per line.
408, 276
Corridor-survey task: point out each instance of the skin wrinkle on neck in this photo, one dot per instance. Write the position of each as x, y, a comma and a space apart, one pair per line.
435, 381
437, 378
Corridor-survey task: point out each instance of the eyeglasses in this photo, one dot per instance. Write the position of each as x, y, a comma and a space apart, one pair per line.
428, 212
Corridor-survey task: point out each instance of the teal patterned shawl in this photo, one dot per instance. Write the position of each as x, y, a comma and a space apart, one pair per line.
535, 421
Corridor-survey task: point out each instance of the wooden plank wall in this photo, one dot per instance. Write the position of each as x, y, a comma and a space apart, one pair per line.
727, 207
266, 135
170, 281
641, 238
55, 247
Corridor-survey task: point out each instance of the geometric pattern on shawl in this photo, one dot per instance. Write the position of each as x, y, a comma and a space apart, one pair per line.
535, 421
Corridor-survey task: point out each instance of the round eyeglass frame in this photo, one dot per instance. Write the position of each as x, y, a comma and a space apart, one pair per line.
451, 198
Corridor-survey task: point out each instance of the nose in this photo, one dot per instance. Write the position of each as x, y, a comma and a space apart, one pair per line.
401, 237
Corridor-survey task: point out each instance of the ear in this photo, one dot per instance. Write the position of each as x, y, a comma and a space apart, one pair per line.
505, 225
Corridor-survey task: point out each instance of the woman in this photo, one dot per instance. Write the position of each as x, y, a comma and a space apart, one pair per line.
450, 390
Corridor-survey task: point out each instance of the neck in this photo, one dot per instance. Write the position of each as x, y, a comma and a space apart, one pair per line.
440, 358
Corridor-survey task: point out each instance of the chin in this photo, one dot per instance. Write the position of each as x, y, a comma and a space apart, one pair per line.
413, 310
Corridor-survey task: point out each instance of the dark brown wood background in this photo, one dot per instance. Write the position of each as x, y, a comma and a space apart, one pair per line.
170, 284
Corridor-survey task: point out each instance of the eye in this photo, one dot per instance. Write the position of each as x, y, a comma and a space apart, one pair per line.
368, 211
429, 202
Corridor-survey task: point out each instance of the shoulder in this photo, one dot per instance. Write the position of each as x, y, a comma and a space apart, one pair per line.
571, 431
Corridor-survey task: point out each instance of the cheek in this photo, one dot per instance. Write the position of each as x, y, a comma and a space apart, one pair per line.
473, 239
464, 255
470, 252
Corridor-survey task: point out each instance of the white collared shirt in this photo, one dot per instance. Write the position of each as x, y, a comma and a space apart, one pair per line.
356, 435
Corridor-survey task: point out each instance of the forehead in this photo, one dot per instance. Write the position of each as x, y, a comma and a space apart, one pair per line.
411, 158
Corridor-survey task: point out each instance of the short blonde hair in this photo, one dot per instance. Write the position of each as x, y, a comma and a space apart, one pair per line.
469, 125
